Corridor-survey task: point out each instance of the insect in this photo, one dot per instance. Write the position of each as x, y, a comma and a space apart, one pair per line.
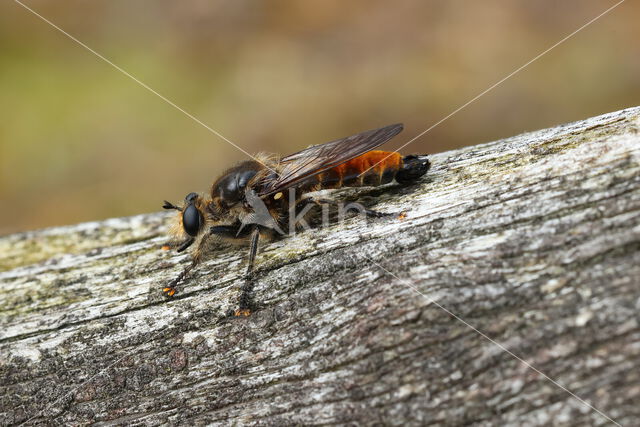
254, 199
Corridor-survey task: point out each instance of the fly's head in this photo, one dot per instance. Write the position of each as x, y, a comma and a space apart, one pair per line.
191, 220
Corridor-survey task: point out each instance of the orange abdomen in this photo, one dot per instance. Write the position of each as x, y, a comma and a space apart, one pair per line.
379, 167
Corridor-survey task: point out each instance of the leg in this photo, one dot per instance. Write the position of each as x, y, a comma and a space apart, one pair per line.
180, 246
366, 211
246, 299
253, 250
170, 289
186, 244
222, 231
231, 231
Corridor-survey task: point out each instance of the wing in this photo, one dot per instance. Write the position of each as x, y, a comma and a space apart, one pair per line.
318, 158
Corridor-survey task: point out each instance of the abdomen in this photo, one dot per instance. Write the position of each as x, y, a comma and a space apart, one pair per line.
372, 169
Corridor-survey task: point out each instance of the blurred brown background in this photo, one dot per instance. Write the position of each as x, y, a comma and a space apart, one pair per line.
80, 141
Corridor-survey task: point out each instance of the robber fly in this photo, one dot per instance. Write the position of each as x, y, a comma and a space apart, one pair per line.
252, 200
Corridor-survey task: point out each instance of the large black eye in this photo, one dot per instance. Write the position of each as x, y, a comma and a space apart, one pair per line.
191, 220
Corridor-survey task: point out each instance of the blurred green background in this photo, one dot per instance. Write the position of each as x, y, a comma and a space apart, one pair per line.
80, 141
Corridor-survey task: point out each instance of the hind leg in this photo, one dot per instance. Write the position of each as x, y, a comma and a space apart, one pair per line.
369, 212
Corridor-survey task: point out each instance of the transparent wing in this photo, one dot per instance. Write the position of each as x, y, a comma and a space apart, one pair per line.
315, 159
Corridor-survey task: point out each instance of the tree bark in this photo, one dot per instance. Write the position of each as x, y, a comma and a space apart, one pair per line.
527, 244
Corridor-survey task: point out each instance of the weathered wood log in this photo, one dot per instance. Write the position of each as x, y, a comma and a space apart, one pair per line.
533, 240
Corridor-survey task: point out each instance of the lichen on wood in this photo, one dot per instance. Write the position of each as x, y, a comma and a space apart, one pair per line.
533, 240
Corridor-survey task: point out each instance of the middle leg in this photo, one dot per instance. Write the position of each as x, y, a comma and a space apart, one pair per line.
246, 297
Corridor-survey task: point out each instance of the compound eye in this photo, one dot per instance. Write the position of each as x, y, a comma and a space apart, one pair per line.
191, 220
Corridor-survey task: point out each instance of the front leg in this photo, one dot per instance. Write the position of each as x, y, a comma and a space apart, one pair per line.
171, 288
229, 232
226, 231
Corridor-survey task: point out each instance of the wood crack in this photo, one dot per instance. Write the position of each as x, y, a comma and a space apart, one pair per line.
533, 240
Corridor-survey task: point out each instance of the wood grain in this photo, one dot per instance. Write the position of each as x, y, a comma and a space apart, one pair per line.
534, 240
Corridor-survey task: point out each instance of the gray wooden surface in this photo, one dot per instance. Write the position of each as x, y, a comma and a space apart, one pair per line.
533, 240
